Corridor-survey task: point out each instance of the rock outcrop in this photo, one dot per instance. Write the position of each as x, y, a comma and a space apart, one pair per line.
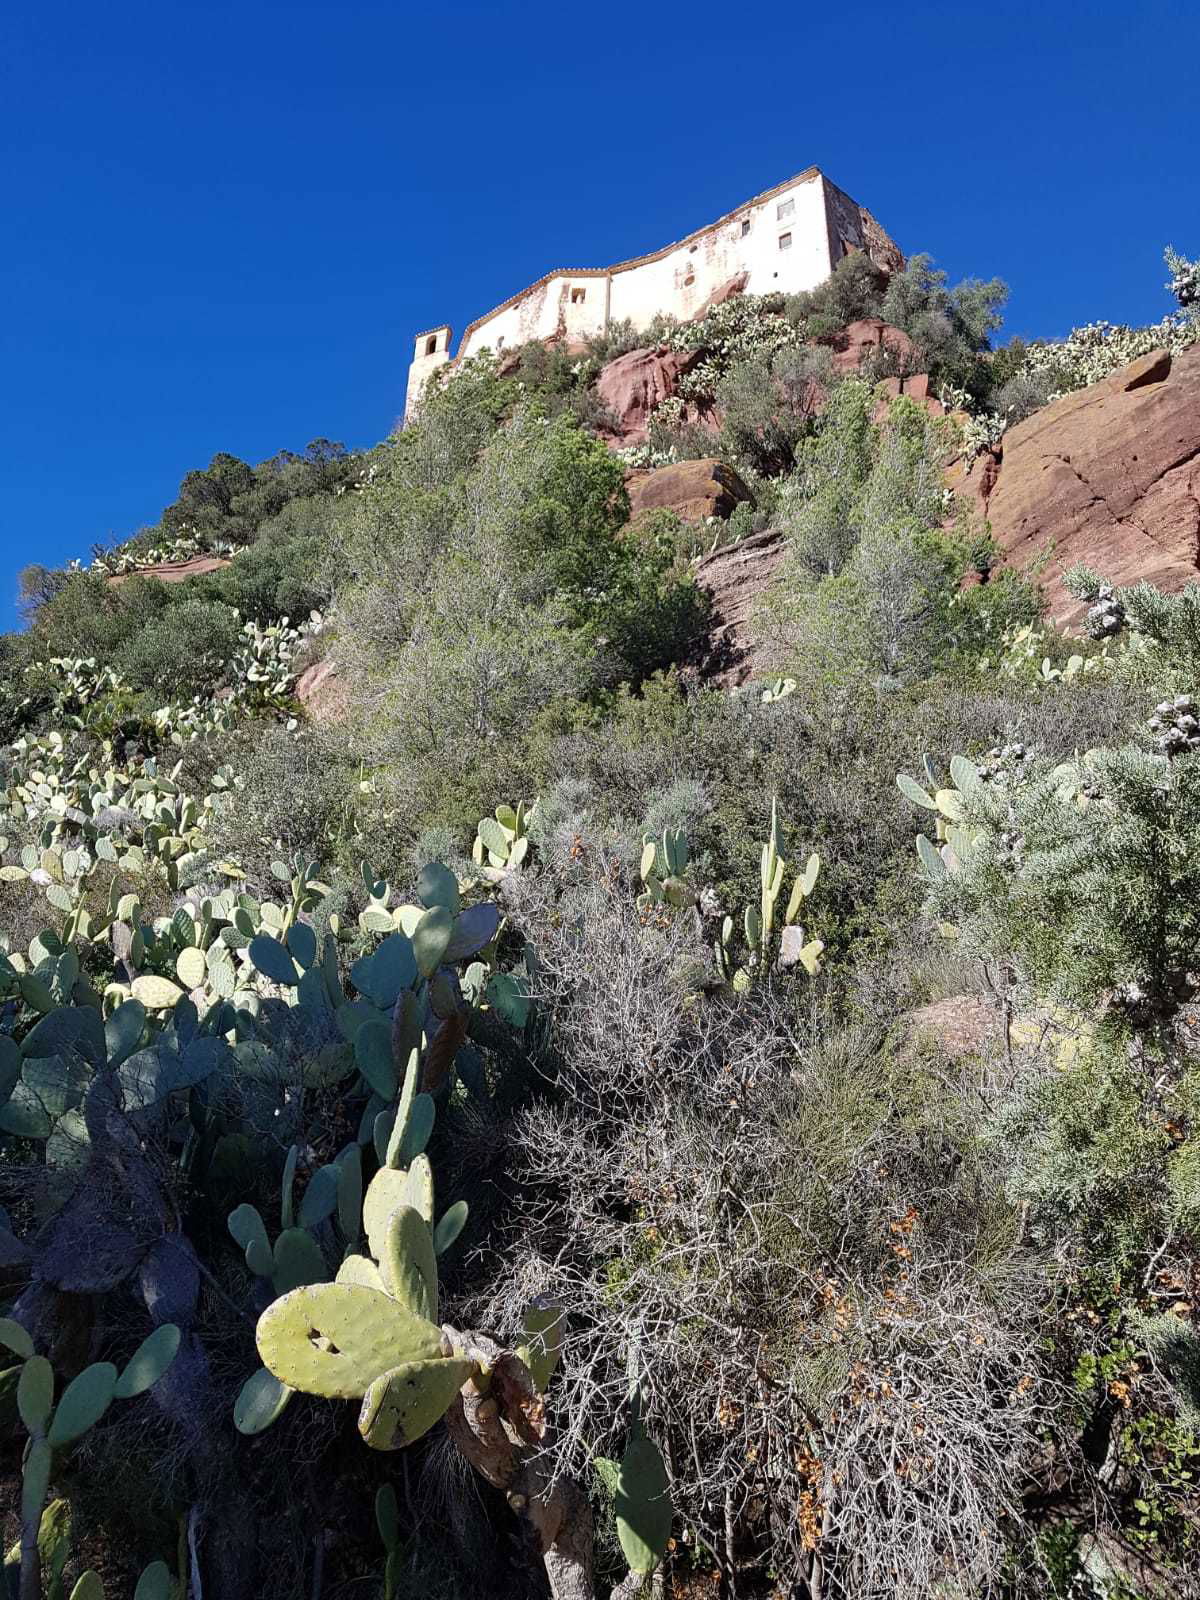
632, 385
729, 290
733, 579
852, 344
175, 571
694, 489
321, 691
1109, 476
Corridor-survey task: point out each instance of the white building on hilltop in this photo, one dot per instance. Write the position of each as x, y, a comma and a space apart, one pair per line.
787, 239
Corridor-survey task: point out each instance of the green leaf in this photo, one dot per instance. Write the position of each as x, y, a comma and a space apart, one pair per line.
148, 1362
493, 836
387, 1516
89, 1587
386, 971
35, 1480
930, 859
249, 1231
506, 992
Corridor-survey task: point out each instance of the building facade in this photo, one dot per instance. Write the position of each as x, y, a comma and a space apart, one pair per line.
787, 239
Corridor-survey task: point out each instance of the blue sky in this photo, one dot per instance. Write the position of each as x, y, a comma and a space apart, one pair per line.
223, 224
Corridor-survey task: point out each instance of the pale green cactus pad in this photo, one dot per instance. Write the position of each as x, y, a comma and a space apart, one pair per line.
387, 1191
419, 1190
361, 1270
367, 1334
403, 1404
409, 1265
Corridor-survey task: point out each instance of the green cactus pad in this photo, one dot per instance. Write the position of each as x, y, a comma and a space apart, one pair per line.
643, 1505
450, 1224
545, 1325
261, 1402
404, 1403
297, 1261
85, 1400
361, 1270
408, 1263
35, 1480
430, 939
15, 1338
154, 1583
35, 1393
89, 1587
387, 1190
419, 1189
148, 1362
368, 1334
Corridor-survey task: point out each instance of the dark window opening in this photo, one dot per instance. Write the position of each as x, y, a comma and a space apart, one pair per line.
785, 241
745, 226
578, 296
431, 345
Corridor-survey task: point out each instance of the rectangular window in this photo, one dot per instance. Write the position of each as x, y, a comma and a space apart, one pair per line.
785, 241
578, 296
745, 226
784, 209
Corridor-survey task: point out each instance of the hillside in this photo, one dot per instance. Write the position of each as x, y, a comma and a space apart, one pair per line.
601, 998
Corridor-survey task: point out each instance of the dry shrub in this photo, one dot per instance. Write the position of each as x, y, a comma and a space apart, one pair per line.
796, 1242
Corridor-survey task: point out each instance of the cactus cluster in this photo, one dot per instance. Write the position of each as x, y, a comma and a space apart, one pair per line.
663, 864
955, 838
758, 922
54, 1426
502, 841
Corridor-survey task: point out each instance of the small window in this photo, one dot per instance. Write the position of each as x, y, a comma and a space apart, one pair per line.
431, 345
745, 226
578, 296
785, 208
785, 241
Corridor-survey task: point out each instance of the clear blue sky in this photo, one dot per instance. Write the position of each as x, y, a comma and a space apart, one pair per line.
223, 224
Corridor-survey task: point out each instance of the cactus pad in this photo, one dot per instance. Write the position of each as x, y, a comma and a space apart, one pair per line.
409, 1265
404, 1403
367, 1333
361, 1270
387, 1190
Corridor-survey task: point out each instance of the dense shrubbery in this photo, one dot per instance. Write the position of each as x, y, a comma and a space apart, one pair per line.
852, 1191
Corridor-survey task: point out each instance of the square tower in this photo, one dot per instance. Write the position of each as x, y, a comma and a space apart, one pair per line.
431, 350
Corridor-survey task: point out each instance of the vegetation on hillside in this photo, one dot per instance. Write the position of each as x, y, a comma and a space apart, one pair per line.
717, 1143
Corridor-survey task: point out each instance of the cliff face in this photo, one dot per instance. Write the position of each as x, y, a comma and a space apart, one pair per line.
1109, 476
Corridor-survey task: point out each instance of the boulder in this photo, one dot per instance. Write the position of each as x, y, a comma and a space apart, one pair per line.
852, 344
175, 571
633, 384
1109, 476
733, 579
694, 489
321, 691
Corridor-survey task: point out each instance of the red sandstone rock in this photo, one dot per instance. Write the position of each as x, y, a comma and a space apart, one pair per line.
321, 691
175, 571
729, 290
1109, 476
852, 344
633, 384
694, 489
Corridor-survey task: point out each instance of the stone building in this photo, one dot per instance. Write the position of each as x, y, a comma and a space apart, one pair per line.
787, 239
